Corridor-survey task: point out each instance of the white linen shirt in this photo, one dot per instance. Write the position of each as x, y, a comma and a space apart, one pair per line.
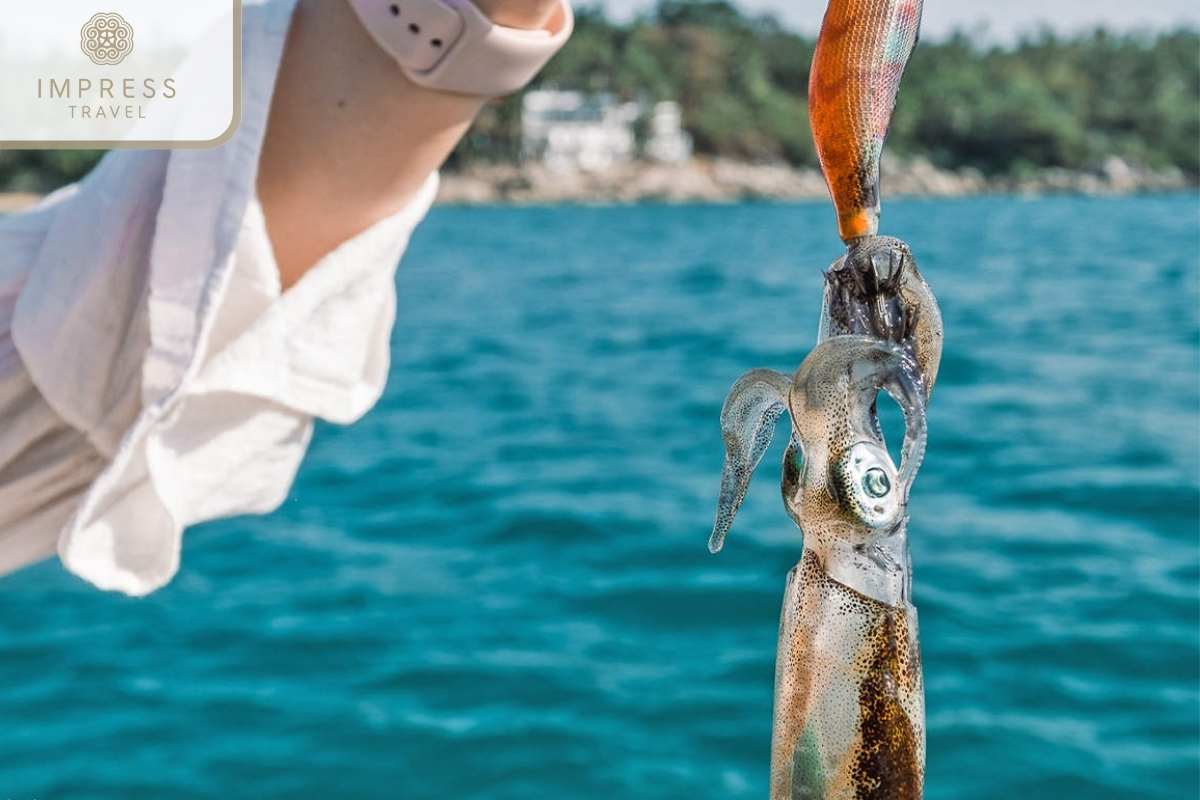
152, 373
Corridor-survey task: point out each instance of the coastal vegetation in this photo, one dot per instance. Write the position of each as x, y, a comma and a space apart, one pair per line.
1047, 101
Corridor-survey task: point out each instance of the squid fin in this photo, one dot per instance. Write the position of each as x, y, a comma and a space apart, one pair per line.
748, 420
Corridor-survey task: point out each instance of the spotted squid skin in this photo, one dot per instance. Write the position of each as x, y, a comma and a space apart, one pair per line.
850, 708
861, 53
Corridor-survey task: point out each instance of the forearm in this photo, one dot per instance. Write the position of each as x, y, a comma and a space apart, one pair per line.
350, 139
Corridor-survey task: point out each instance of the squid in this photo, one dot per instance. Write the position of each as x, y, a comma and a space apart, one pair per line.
849, 721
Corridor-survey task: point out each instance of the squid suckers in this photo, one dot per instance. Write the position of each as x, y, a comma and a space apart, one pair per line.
861, 53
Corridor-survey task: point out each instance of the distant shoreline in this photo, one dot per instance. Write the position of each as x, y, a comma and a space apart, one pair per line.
727, 181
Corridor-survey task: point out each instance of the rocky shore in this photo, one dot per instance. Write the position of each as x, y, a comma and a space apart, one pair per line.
726, 181
717, 181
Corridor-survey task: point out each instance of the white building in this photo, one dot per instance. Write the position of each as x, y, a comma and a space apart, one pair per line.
577, 131
573, 130
668, 141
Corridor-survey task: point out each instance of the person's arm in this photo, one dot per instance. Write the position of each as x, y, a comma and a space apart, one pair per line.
350, 139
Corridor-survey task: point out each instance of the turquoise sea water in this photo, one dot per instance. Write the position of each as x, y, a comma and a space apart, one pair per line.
496, 584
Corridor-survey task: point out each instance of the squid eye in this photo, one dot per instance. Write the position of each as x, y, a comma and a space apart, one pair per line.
862, 482
875, 482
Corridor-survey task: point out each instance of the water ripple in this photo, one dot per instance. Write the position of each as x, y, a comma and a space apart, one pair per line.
496, 584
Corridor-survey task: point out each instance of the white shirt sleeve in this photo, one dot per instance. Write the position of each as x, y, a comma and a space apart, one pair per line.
162, 261
238, 431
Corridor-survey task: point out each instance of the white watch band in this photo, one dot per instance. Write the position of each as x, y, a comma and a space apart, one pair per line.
451, 45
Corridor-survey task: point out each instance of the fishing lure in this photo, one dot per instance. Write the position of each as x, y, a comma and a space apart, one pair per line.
861, 53
849, 696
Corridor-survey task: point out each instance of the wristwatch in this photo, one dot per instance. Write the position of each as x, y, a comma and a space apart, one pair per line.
451, 45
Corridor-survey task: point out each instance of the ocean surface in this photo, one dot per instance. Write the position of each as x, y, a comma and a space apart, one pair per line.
496, 584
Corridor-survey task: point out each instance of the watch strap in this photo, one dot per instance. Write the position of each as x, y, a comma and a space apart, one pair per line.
451, 45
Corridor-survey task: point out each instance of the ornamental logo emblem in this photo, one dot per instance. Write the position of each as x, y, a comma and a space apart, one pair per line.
106, 39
